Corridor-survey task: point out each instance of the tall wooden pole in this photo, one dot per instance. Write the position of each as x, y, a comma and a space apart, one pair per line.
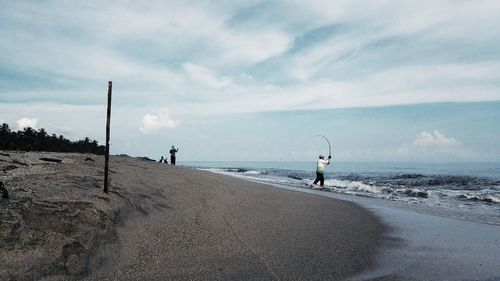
106, 157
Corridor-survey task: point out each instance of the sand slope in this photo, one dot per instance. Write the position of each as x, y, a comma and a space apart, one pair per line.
171, 223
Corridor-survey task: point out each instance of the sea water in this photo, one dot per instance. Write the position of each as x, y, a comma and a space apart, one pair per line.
469, 191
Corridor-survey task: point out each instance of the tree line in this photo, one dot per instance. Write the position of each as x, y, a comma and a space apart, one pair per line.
30, 139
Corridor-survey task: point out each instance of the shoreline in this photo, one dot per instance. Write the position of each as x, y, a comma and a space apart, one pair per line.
179, 223
450, 192
424, 246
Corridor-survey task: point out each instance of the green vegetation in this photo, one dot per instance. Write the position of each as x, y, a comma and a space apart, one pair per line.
30, 139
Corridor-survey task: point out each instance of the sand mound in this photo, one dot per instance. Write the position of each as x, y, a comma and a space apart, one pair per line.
57, 218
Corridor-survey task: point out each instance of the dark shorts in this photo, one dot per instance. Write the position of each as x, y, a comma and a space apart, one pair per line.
319, 178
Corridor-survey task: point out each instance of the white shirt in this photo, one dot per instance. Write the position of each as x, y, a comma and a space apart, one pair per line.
321, 165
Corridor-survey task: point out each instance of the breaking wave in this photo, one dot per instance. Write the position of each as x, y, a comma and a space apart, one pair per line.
392, 186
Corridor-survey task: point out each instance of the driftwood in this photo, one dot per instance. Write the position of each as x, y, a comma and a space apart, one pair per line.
51, 159
8, 168
147, 159
89, 159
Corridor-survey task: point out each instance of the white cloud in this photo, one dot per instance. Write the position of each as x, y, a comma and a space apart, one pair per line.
27, 122
206, 76
431, 146
396, 86
154, 123
318, 58
253, 47
436, 142
141, 46
74, 121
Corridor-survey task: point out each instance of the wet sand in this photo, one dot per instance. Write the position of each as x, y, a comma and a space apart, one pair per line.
427, 244
171, 223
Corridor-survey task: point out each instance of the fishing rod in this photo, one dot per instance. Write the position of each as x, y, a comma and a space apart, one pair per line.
329, 146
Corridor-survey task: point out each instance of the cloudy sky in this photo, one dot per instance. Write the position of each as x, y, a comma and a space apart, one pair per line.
255, 80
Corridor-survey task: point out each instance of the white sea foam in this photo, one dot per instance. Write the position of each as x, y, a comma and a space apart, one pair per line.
252, 172
494, 198
353, 186
215, 170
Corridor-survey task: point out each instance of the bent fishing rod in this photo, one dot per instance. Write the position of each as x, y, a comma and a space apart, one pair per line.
329, 146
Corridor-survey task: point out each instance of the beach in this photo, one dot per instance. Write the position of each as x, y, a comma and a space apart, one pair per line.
420, 245
442, 219
161, 222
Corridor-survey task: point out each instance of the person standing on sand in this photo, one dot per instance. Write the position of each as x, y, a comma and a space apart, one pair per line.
320, 168
173, 151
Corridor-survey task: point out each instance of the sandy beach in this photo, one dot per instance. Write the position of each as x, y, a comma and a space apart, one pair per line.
161, 222
426, 245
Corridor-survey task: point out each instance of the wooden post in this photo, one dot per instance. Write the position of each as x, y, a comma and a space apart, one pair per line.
106, 156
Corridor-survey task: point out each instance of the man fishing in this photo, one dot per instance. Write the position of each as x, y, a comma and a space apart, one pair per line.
320, 168
173, 151
322, 163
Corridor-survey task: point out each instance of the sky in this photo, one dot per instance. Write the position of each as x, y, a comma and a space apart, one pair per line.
385, 80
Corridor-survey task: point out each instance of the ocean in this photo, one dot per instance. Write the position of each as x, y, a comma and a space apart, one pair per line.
470, 188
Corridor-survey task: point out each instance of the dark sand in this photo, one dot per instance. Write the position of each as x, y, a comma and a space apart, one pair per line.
172, 223
427, 244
